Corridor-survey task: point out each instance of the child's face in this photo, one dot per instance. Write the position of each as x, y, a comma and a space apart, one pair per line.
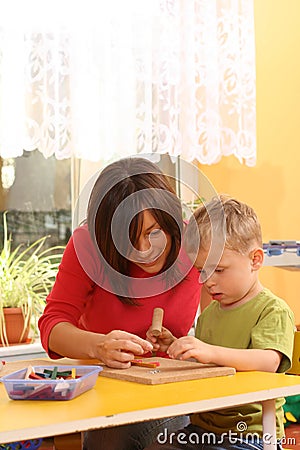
234, 278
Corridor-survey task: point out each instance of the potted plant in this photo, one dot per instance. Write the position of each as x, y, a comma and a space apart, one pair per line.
26, 277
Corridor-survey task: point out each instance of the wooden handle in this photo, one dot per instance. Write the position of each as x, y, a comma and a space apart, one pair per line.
157, 320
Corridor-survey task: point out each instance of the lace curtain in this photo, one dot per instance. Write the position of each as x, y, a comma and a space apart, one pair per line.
100, 80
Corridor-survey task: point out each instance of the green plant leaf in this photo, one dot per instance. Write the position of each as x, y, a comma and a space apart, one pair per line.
27, 274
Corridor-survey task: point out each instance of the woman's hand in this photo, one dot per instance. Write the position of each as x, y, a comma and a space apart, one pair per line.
163, 341
117, 348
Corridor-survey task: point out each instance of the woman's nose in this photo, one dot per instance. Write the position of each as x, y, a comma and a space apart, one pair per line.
143, 245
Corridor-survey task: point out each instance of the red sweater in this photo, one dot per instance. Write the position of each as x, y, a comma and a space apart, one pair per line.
77, 299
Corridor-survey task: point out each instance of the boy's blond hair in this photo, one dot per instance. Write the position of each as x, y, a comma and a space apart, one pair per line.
236, 220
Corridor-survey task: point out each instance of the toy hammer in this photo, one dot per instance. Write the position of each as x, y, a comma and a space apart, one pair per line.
157, 320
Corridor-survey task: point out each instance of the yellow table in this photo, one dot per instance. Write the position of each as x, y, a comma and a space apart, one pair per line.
115, 402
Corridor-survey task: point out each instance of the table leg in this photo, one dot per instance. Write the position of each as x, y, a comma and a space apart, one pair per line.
269, 424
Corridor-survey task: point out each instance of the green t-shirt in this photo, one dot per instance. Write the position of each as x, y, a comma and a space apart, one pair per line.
264, 322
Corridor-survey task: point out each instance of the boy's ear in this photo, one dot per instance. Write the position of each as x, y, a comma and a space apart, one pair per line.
257, 258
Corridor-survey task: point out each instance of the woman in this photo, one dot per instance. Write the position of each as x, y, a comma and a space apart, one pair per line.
117, 267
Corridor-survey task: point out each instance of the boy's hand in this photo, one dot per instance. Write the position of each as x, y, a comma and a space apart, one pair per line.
190, 347
163, 341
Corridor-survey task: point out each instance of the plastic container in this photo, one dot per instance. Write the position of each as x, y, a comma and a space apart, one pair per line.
19, 388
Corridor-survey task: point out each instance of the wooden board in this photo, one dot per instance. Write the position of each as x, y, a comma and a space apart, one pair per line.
169, 371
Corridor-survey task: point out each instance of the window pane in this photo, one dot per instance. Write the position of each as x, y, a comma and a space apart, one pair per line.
36, 192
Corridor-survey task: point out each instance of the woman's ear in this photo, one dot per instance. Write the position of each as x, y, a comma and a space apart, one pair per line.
257, 258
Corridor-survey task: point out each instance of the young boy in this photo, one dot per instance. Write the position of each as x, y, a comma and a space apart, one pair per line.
245, 326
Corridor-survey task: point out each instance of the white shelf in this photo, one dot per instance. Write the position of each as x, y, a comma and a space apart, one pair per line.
22, 351
288, 260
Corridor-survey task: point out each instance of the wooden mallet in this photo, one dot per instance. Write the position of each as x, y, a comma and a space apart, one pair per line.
157, 319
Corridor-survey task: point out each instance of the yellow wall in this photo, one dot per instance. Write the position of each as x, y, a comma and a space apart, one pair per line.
272, 186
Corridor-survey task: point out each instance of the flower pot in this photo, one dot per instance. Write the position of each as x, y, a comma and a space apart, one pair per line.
14, 325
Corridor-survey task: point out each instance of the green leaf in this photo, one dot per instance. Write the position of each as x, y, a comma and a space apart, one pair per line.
27, 274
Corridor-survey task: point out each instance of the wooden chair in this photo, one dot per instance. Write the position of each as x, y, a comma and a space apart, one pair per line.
68, 442
295, 369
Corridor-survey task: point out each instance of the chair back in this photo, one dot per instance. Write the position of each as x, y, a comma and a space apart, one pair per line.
295, 369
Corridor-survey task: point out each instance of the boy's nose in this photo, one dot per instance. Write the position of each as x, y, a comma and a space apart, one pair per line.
210, 281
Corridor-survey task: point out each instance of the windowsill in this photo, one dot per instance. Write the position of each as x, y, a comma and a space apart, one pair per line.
23, 351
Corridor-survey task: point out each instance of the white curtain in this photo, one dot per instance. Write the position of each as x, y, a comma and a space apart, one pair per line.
103, 79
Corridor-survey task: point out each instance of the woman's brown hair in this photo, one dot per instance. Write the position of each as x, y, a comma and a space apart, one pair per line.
117, 182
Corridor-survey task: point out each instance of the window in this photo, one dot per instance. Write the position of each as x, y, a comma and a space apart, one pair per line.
36, 193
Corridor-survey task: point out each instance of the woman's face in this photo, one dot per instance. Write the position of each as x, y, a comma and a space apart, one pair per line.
152, 247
